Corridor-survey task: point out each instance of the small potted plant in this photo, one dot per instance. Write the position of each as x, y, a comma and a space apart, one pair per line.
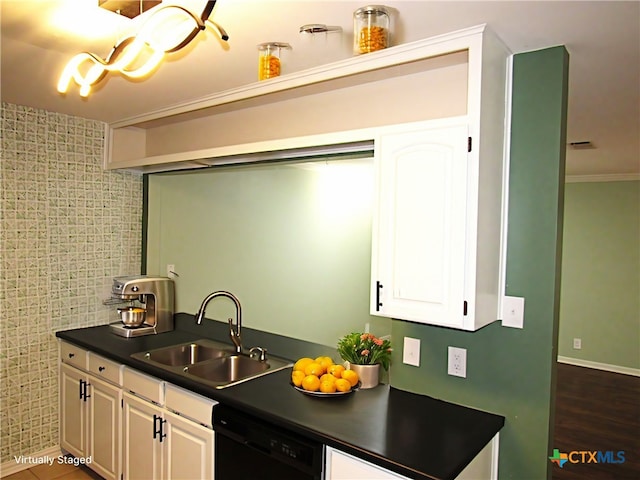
365, 353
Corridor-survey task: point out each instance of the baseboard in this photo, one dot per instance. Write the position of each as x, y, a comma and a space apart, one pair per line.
600, 366
13, 466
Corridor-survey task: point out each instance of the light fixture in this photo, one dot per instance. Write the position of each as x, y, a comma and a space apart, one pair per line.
166, 30
128, 8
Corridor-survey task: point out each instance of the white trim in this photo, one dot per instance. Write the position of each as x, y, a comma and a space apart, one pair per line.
600, 366
10, 467
506, 170
495, 456
610, 177
399, 54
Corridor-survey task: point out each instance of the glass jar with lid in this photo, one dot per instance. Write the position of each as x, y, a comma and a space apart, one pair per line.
370, 29
269, 64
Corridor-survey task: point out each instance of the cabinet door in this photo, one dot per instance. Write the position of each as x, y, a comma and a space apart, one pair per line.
419, 227
141, 452
73, 405
104, 428
341, 466
189, 449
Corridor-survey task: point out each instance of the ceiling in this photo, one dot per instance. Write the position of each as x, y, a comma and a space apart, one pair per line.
603, 40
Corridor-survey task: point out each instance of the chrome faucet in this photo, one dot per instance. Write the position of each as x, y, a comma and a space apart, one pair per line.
234, 333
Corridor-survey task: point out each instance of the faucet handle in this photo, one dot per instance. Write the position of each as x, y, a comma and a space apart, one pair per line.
263, 353
235, 337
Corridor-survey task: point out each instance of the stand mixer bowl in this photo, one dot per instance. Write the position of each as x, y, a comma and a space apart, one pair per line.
132, 316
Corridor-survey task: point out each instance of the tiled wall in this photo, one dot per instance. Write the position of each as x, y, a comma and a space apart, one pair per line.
66, 228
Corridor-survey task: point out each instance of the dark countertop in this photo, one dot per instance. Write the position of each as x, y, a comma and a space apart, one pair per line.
412, 435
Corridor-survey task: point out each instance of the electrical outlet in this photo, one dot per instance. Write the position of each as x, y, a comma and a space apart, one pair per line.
457, 364
171, 270
577, 343
411, 351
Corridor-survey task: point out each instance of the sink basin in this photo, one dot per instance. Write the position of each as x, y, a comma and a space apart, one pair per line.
186, 353
210, 362
233, 369
229, 369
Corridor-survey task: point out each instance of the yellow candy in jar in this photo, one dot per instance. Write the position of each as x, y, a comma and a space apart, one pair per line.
372, 39
269, 65
371, 29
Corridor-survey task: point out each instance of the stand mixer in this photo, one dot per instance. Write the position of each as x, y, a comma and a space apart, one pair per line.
157, 294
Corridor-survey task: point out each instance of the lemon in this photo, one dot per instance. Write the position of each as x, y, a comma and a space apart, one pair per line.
328, 386
326, 362
351, 377
342, 385
315, 369
336, 370
311, 383
327, 377
296, 377
302, 363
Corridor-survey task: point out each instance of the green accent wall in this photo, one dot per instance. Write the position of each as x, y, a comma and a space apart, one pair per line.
600, 300
292, 242
312, 279
512, 371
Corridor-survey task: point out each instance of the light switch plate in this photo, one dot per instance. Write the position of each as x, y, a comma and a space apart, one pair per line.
513, 312
411, 351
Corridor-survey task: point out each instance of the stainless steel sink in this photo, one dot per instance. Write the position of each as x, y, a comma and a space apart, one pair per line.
186, 353
210, 362
233, 369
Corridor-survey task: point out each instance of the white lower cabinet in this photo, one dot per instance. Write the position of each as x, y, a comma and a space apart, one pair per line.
162, 445
90, 418
130, 425
342, 466
159, 443
189, 449
141, 442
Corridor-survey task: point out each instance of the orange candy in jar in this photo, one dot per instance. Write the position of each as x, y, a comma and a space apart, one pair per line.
269, 65
370, 29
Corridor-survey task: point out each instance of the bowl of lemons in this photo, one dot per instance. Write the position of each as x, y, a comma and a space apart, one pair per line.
321, 377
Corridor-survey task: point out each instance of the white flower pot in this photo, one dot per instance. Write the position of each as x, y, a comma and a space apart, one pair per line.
369, 375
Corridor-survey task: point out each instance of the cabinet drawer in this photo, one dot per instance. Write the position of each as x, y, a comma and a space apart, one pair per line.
73, 355
143, 385
189, 404
105, 369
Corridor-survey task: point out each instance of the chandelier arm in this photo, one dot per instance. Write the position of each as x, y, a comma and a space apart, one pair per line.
218, 29
208, 8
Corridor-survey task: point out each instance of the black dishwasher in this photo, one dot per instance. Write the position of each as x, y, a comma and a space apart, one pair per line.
247, 447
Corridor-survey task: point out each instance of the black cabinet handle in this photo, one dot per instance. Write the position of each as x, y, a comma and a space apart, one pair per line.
162, 434
102, 369
158, 424
378, 302
83, 390
71, 355
86, 385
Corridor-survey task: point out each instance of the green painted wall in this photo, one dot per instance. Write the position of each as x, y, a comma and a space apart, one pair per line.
512, 371
600, 296
194, 223
293, 243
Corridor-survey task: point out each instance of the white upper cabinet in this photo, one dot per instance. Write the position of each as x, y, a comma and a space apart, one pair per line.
437, 233
419, 226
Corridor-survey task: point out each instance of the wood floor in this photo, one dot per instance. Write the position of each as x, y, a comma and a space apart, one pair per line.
597, 411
